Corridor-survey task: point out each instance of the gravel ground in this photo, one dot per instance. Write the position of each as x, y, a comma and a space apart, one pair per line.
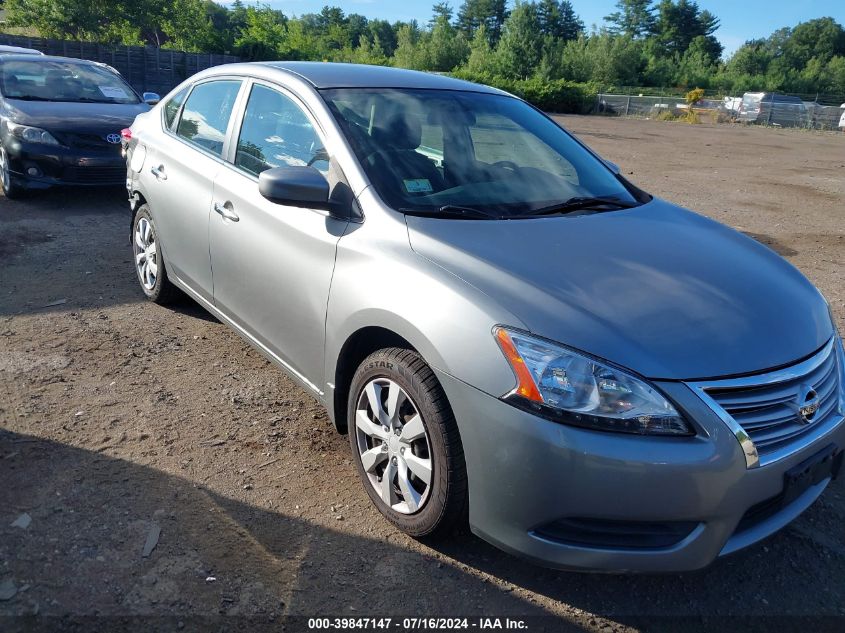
125, 426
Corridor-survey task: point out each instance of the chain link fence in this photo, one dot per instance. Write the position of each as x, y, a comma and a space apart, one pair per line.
753, 108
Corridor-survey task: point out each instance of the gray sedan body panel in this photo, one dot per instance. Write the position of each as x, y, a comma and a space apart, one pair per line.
186, 186
379, 281
524, 472
278, 293
657, 289
661, 291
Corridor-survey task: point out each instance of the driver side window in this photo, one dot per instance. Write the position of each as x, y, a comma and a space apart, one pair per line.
275, 132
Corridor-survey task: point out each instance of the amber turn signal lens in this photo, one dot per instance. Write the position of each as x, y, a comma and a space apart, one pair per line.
525, 385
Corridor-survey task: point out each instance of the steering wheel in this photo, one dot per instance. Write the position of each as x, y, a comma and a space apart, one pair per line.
507, 164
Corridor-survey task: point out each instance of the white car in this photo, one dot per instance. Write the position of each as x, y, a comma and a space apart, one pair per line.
842, 118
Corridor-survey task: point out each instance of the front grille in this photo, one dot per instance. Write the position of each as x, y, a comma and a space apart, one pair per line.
768, 407
95, 175
85, 141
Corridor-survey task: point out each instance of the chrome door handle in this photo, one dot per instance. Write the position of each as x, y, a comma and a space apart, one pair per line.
226, 212
158, 172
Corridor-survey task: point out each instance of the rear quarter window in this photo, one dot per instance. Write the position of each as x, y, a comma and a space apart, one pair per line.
171, 107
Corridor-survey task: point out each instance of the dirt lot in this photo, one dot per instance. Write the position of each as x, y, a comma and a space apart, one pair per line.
118, 418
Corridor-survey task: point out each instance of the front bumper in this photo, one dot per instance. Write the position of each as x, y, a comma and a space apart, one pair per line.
526, 473
57, 165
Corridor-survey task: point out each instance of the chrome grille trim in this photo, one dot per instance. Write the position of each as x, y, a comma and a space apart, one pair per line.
761, 409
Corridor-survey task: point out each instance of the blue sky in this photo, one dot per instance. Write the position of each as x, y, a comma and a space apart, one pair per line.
741, 19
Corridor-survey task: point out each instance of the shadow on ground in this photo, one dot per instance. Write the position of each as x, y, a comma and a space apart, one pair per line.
217, 562
220, 564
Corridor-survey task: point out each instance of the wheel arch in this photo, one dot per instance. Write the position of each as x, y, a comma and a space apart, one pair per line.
357, 346
136, 201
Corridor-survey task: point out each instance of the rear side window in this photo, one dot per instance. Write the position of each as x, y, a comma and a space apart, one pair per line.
276, 132
205, 116
171, 108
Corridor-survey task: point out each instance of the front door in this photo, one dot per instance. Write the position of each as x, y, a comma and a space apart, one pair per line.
272, 263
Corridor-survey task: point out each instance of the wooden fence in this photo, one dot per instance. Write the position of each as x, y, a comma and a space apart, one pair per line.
146, 68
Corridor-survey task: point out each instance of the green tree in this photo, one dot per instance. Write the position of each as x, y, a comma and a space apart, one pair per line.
571, 26
603, 58
482, 57
559, 20
836, 75
385, 33
679, 22
752, 58
264, 34
490, 13
822, 38
369, 52
520, 48
357, 27
188, 26
78, 19
696, 66
444, 47
633, 18
408, 51
441, 10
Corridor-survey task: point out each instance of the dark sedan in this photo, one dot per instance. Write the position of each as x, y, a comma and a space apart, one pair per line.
60, 122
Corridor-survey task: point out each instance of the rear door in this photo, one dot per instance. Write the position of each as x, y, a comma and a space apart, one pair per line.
273, 263
179, 176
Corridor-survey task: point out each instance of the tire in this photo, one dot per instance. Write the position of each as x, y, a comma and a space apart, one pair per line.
149, 262
11, 189
429, 509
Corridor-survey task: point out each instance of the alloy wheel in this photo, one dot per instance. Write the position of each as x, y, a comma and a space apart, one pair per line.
146, 253
393, 446
5, 174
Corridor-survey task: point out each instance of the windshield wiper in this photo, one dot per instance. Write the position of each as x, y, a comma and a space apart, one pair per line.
455, 211
579, 203
65, 100
90, 100
28, 98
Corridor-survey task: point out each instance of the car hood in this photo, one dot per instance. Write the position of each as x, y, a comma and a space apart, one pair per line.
74, 117
657, 289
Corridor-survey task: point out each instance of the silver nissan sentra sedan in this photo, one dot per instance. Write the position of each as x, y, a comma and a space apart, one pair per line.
510, 332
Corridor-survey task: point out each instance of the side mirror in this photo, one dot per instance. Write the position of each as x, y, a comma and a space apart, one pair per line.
151, 98
295, 186
612, 166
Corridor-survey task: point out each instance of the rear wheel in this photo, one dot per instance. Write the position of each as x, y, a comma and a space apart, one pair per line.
406, 444
148, 259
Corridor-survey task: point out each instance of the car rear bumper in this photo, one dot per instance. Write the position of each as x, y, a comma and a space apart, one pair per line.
36, 166
577, 499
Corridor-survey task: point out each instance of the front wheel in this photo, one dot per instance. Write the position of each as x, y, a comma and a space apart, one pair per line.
11, 189
406, 444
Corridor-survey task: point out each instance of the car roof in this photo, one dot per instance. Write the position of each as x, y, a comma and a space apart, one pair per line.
28, 57
18, 50
325, 75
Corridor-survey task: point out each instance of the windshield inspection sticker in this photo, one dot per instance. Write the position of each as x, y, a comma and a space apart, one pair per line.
112, 93
418, 185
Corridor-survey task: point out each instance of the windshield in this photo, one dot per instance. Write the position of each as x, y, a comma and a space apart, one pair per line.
430, 151
40, 80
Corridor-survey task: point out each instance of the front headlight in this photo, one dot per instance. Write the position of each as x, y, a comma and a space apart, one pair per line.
32, 134
839, 351
571, 388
